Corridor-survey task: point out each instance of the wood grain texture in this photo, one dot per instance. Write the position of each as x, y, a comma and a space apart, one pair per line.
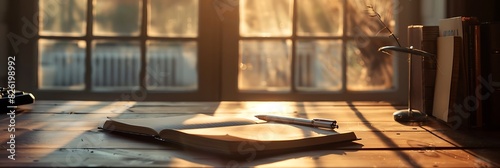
64, 133
184, 158
101, 139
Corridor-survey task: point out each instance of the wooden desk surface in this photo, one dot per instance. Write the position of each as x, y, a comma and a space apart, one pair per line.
64, 133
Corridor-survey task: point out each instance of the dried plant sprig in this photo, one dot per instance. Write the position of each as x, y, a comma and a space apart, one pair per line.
373, 13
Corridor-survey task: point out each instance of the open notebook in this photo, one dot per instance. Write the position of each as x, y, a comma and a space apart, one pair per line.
228, 135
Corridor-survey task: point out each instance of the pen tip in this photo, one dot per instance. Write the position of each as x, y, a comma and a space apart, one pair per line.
261, 117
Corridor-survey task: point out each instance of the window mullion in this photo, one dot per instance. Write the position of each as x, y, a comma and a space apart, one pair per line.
344, 47
143, 40
88, 49
294, 43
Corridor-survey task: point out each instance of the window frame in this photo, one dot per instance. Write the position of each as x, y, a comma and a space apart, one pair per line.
208, 60
231, 38
213, 41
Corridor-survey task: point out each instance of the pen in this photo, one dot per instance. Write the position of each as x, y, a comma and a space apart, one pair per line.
324, 123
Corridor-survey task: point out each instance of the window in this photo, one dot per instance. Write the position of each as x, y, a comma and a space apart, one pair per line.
116, 40
312, 50
334, 45
216, 50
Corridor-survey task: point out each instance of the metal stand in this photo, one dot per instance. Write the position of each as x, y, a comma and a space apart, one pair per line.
408, 115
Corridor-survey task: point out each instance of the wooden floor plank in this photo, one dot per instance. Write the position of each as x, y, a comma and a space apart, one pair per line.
199, 107
69, 125
38, 121
214, 103
341, 114
490, 155
182, 158
471, 138
102, 139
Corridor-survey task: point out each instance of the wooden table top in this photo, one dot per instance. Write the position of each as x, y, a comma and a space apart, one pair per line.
64, 133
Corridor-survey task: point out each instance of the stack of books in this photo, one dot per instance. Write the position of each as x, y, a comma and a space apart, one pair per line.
466, 72
464, 109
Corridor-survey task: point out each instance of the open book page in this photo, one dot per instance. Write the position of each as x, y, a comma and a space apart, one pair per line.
228, 135
152, 126
264, 132
269, 136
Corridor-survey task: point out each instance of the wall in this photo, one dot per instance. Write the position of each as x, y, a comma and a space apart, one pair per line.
484, 10
432, 11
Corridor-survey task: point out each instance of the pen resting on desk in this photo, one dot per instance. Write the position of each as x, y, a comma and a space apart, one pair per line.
227, 135
321, 123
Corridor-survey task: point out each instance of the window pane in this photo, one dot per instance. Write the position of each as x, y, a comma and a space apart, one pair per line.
368, 69
360, 23
63, 17
265, 65
115, 65
117, 17
320, 17
173, 18
172, 65
61, 64
318, 65
266, 18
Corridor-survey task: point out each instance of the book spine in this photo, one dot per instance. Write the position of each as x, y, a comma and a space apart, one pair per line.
470, 38
423, 68
429, 44
455, 76
477, 75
